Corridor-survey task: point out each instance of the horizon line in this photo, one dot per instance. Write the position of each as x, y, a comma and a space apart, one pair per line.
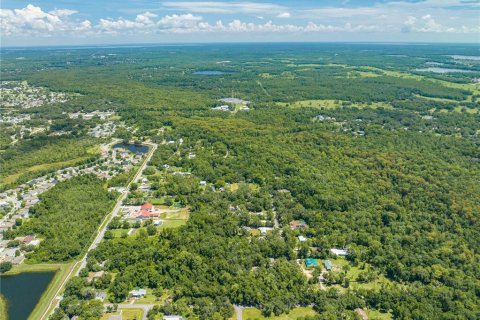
140, 44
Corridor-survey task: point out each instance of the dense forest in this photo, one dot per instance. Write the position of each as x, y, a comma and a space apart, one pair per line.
66, 219
372, 154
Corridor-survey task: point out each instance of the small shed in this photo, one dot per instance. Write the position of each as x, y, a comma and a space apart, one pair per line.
328, 265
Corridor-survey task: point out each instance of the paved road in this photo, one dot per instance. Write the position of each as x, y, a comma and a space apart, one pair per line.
116, 209
79, 265
238, 311
146, 307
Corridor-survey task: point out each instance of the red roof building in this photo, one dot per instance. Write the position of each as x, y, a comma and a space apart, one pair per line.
147, 206
28, 239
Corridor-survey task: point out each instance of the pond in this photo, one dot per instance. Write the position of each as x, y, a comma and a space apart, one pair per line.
443, 70
135, 148
210, 72
460, 57
23, 291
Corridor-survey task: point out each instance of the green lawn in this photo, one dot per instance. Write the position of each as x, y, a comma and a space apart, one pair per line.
173, 223
151, 299
3, 308
333, 104
128, 314
353, 273
156, 201
377, 315
256, 314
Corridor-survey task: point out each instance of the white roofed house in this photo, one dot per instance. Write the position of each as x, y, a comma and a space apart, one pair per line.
138, 293
302, 239
264, 230
339, 252
172, 317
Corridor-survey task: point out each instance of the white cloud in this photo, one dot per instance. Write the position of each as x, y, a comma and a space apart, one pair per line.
284, 15
427, 24
180, 23
63, 12
224, 7
32, 20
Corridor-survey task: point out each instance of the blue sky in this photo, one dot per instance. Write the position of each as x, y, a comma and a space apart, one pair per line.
74, 22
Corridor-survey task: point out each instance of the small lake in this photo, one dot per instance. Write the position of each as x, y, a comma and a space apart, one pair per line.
460, 57
135, 148
443, 70
210, 72
23, 291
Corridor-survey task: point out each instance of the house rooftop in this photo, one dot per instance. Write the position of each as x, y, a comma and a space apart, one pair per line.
328, 264
339, 252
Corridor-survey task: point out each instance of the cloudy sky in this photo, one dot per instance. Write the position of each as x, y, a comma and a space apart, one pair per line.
74, 22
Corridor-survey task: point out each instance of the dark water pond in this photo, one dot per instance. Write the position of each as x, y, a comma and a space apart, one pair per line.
135, 148
210, 72
23, 291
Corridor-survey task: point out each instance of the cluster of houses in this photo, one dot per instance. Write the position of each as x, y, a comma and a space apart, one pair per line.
16, 203
238, 104
14, 119
14, 250
20, 94
103, 115
328, 265
124, 157
103, 130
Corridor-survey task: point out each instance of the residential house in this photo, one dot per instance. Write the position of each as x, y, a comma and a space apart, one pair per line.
297, 224
147, 212
339, 252
138, 293
100, 296
264, 230
172, 317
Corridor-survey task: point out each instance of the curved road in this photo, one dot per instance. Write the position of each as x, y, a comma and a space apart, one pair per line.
79, 265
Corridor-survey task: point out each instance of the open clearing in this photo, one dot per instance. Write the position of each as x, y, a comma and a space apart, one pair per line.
127, 314
43, 167
256, 314
334, 104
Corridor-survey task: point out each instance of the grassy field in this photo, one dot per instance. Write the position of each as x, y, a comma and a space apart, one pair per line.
252, 186
3, 308
352, 275
334, 104
172, 223
256, 314
151, 299
43, 167
377, 315
61, 270
128, 314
